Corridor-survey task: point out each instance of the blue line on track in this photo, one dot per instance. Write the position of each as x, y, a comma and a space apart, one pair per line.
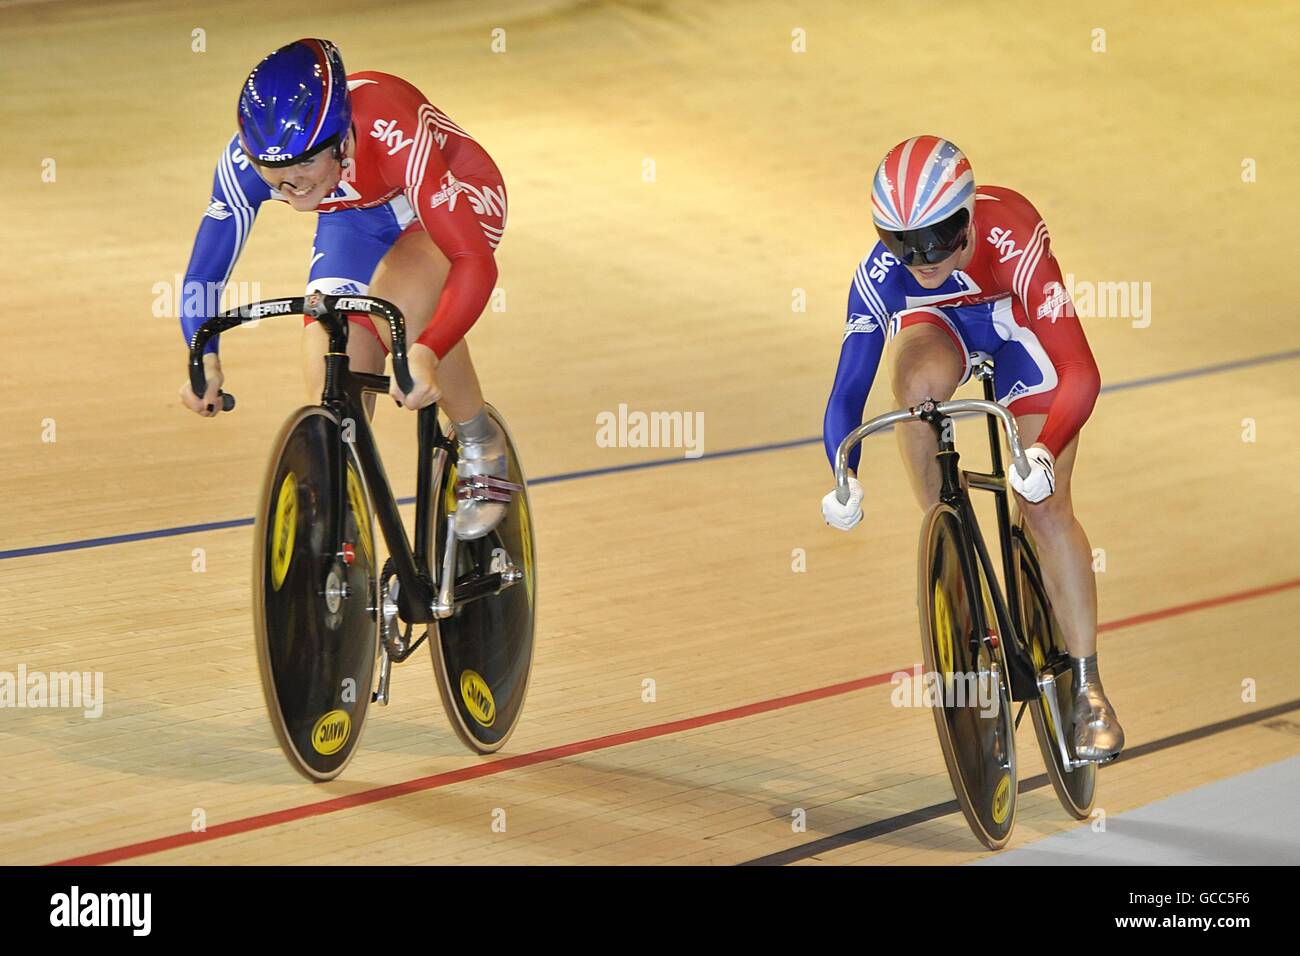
634, 466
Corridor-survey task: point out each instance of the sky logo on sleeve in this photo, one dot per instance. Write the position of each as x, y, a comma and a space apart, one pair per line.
386, 132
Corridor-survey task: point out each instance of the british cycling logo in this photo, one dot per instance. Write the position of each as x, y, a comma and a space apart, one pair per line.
447, 194
386, 132
1057, 303
1001, 240
75, 908
218, 210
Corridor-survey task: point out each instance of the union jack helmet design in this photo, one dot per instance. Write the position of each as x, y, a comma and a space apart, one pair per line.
295, 103
920, 183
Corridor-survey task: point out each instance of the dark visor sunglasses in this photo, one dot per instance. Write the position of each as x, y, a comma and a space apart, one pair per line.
930, 245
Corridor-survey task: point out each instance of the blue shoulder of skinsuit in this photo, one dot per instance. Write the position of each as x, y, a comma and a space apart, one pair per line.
878, 288
237, 178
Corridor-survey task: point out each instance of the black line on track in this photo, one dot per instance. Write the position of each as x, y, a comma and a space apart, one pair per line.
911, 818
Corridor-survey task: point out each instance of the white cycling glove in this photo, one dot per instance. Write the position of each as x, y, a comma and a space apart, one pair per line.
1042, 479
844, 516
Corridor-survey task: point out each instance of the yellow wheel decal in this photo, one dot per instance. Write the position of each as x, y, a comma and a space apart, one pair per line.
449, 496
357, 498
942, 629
331, 732
1002, 800
284, 529
478, 698
526, 545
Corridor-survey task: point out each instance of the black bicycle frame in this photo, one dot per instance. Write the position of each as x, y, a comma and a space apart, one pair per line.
343, 396
955, 492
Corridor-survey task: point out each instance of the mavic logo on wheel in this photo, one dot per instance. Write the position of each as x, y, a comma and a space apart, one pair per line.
1002, 799
284, 529
478, 698
331, 732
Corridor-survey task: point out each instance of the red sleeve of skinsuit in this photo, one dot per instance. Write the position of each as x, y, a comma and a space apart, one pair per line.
435, 195
1035, 279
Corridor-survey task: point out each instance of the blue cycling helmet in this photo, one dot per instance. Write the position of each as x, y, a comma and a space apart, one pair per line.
295, 103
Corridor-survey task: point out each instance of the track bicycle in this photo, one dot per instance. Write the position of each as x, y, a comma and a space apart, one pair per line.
329, 621
985, 649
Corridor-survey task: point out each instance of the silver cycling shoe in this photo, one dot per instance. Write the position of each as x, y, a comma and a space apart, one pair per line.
1098, 736
482, 489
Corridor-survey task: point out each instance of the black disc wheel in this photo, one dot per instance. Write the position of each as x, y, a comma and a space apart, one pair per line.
483, 653
1075, 788
965, 684
316, 609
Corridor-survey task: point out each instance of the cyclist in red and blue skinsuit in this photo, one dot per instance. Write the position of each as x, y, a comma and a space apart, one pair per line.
1009, 302
961, 271
410, 208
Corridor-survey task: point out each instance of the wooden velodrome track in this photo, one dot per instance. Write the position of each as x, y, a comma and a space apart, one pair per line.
771, 685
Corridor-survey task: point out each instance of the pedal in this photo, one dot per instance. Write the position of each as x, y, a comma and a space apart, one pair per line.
485, 488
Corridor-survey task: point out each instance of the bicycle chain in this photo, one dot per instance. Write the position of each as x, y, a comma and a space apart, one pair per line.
398, 645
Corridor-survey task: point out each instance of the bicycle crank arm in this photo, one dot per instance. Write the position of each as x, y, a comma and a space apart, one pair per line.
1047, 685
380, 696
485, 585
453, 593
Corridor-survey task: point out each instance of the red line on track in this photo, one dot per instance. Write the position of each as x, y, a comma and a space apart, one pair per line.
501, 765
1197, 606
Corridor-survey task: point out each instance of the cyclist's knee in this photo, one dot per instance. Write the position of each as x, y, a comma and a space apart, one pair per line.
936, 379
1053, 515
926, 365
